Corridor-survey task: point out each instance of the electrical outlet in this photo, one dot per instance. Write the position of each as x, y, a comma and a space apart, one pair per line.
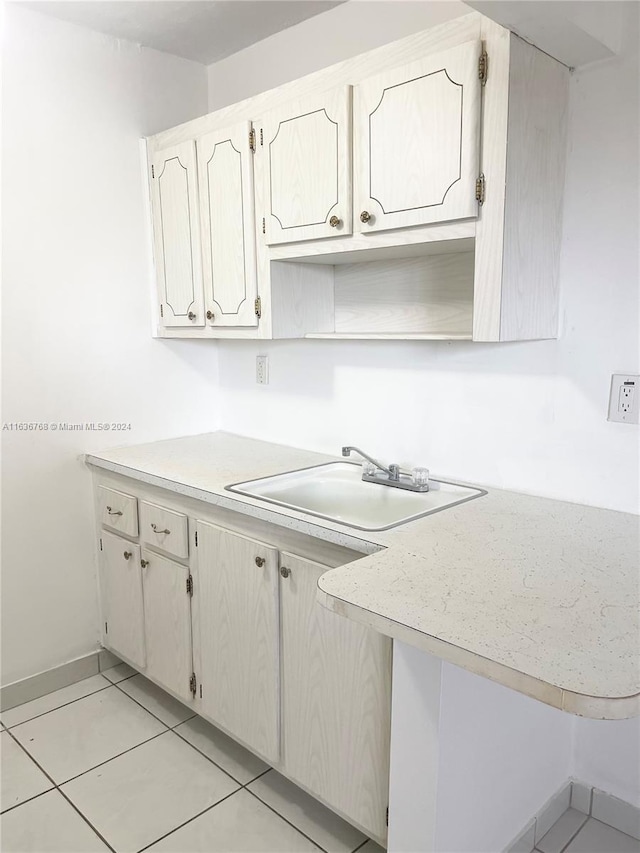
262, 369
624, 399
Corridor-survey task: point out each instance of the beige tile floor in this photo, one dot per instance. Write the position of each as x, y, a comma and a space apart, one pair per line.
114, 763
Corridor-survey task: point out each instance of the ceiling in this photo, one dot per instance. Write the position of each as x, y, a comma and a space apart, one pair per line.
201, 30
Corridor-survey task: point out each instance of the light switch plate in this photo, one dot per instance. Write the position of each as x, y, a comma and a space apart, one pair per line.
624, 400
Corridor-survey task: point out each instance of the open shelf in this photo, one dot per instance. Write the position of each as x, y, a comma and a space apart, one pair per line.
400, 293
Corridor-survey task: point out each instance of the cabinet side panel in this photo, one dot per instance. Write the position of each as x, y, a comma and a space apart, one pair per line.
493, 162
538, 98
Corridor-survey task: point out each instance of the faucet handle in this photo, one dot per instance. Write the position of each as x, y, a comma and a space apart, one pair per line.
394, 472
420, 476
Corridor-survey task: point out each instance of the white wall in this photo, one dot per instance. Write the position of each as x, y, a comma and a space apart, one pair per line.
76, 311
529, 417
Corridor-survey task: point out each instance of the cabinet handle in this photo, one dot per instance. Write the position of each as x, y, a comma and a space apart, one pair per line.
144, 563
111, 512
334, 222
210, 315
260, 561
128, 555
191, 315
285, 572
365, 216
154, 527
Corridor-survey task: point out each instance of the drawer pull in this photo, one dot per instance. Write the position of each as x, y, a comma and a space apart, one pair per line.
335, 221
154, 527
144, 563
285, 572
260, 561
114, 512
128, 555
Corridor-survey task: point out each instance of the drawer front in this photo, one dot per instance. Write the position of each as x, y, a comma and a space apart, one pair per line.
164, 529
118, 511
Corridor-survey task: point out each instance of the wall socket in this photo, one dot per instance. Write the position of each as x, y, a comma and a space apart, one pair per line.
624, 400
262, 369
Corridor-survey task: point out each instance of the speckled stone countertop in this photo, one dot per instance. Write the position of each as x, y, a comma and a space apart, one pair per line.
539, 595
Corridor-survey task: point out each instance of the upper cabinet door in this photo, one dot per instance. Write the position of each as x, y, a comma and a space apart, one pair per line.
225, 177
418, 137
306, 151
174, 204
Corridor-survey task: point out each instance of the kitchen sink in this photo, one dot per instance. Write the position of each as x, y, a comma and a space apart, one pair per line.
336, 492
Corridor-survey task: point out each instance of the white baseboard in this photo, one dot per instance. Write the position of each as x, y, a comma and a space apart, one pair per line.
54, 679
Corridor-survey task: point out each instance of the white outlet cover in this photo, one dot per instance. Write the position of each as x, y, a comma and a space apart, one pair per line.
624, 399
262, 369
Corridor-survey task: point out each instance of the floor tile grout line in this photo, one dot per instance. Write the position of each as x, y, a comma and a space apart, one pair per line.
56, 787
286, 820
215, 763
113, 758
360, 846
28, 800
180, 826
155, 716
58, 707
575, 834
86, 820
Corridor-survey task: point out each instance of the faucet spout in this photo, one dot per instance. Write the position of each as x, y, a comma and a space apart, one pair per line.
393, 475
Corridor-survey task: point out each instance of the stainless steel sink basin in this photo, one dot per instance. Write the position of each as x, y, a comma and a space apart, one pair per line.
335, 491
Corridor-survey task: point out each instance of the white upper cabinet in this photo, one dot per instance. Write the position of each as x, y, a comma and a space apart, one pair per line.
417, 132
225, 178
174, 201
307, 149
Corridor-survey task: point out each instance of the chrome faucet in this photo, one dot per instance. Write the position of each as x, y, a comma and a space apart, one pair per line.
417, 481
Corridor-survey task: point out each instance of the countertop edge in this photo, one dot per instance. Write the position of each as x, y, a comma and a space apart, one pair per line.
240, 504
582, 705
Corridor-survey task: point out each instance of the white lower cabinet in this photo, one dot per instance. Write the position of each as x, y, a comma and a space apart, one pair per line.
166, 589
234, 630
121, 598
239, 649
336, 688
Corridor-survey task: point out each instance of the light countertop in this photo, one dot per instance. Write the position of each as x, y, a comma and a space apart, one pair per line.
539, 595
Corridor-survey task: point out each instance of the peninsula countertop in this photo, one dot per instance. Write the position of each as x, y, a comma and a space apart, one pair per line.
537, 594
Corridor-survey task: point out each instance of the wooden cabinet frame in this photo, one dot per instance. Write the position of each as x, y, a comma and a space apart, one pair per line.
363, 803
515, 238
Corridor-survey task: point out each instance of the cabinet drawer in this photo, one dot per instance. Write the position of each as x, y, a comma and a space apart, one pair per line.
118, 511
164, 529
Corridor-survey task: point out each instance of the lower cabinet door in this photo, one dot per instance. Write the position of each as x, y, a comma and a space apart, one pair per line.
121, 598
167, 623
336, 701
237, 599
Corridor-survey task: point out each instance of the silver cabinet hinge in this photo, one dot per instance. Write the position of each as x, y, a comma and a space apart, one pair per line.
201, 691
483, 67
257, 307
252, 140
387, 817
161, 310
101, 544
106, 627
196, 537
190, 585
193, 684
480, 189
261, 137
153, 173
264, 225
